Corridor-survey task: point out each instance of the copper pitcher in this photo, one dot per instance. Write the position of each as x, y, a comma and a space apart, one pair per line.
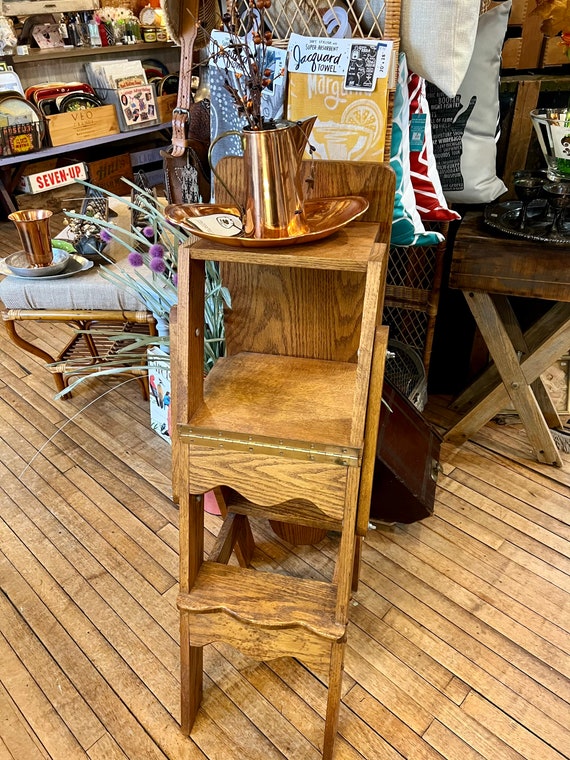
274, 198
33, 229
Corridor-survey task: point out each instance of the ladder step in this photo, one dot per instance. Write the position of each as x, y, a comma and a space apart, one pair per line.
265, 600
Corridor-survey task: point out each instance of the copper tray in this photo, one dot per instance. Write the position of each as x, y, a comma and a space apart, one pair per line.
505, 216
324, 216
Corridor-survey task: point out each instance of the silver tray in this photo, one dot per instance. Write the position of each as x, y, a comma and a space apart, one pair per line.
504, 216
75, 265
19, 264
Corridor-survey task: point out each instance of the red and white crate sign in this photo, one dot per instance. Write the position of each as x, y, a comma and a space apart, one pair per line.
51, 178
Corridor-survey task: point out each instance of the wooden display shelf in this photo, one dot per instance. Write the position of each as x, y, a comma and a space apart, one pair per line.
54, 54
11, 167
44, 153
303, 606
239, 384
67, 64
348, 250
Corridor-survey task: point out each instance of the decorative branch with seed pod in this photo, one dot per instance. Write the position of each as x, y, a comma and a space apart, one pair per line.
246, 57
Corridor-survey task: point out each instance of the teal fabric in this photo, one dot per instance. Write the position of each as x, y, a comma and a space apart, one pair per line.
407, 227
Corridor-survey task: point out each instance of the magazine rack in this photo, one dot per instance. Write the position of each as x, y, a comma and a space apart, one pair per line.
284, 427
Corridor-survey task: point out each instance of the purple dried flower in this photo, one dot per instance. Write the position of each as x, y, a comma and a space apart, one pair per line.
157, 265
175, 279
105, 236
148, 232
156, 251
135, 259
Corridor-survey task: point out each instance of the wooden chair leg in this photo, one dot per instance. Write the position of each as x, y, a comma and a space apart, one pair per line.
333, 699
191, 678
245, 544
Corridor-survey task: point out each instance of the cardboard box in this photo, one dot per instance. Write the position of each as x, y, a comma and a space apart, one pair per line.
52, 178
159, 392
87, 124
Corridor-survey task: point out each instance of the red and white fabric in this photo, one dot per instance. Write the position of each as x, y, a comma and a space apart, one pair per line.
430, 200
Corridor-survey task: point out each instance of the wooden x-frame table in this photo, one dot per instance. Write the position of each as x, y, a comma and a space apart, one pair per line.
489, 269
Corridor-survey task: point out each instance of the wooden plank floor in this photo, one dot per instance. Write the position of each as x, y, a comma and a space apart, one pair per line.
458, 647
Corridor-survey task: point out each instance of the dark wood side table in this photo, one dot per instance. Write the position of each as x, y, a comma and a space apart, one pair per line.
489, 269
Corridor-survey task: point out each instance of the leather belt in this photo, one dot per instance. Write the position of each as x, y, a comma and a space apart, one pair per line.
188, 29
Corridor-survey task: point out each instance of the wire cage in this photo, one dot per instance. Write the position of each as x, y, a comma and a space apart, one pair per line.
413, 287
405, 370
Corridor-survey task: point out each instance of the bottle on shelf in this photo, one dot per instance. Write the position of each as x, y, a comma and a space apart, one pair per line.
74, 31
94, 36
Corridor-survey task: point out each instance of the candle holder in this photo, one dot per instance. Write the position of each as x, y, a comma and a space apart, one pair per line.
552, 127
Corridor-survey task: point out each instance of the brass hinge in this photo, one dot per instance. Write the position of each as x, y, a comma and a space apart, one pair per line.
345, 456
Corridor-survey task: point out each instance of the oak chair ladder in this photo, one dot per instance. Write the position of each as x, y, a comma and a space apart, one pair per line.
284, 427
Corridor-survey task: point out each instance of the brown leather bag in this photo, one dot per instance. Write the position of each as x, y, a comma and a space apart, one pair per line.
187, 176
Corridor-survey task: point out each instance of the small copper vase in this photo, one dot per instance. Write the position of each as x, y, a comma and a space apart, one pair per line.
33, 228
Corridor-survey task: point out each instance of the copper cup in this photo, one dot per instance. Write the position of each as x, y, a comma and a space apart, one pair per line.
33, 228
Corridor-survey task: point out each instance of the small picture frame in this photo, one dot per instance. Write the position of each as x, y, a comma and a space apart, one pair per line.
47, 36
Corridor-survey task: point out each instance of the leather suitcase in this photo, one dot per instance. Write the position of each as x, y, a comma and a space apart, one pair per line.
407, 462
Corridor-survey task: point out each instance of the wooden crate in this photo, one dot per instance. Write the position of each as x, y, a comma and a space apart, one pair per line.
165, 105
554, 53
108, 173
77, 126
524, 41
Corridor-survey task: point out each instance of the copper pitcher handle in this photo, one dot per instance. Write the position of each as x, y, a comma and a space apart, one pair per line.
215, 173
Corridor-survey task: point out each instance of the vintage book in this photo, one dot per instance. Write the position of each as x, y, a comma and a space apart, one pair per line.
344, 83
124, 85
159, 392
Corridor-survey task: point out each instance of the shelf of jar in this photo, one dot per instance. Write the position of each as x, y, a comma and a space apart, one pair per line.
49, 54
66, 64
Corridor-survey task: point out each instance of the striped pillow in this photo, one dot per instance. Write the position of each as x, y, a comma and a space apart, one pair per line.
407, 227
430, 200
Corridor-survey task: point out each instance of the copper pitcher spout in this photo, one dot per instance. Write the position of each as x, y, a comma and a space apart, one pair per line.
301, 135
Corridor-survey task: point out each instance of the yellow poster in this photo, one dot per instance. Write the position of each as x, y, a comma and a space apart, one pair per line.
343, 82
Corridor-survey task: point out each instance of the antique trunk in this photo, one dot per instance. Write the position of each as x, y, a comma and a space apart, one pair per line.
407, 462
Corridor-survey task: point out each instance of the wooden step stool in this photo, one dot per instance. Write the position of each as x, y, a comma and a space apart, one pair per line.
284, 427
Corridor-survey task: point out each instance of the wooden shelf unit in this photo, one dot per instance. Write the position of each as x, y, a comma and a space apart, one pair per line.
66, 64
284, 427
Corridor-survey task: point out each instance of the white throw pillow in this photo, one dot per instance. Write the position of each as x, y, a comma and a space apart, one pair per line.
465, 128
438, 37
